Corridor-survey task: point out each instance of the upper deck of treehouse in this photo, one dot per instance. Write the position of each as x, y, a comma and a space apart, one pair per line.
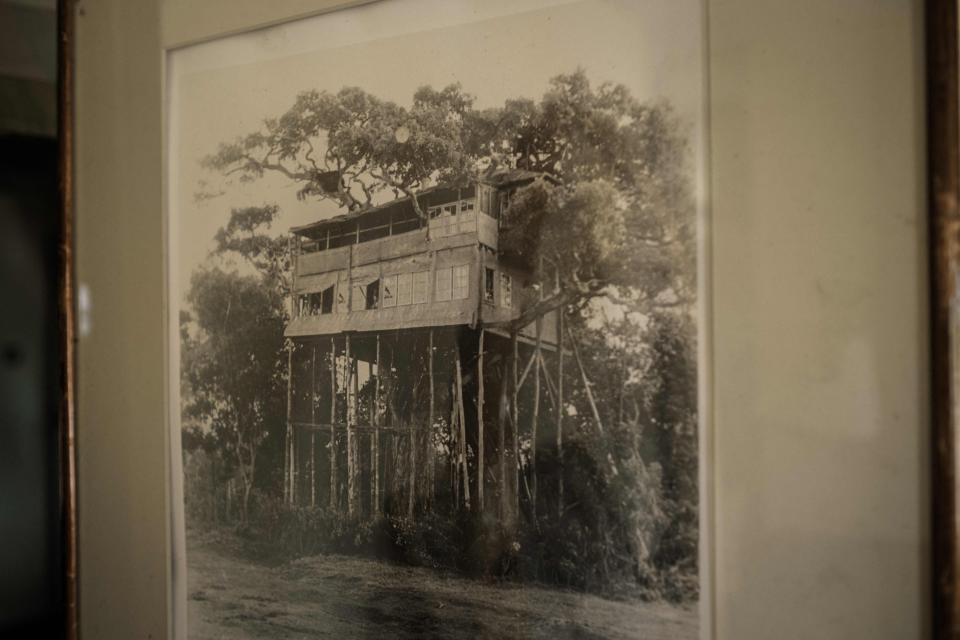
385, 268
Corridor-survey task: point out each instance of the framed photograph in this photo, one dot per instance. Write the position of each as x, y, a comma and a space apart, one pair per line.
433, 298
585, 318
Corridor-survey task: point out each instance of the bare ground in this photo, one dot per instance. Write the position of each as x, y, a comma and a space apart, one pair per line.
347, 597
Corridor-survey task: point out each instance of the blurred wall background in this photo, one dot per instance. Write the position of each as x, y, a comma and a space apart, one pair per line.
30, 532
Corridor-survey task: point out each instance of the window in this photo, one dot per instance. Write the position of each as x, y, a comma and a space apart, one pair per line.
450, 209
506, 290
421, 287
488, 280
466, 206
326, 300
317, 303
389, 293
443, 284
404, 288
461, 278
434, 212
372, 295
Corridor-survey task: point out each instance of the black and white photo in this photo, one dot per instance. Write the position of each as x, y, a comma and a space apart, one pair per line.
435, 269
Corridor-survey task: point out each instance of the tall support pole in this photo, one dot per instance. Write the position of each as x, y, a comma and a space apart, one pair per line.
480, 452
431, 454
313, 421
502, 443
375, 414
334, 488
288, 440
463, 433
455, 446
560, 412
534, 422
351, 398
515, 405
412, 494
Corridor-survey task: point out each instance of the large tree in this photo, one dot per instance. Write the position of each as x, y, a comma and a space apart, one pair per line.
615, 218
233, 366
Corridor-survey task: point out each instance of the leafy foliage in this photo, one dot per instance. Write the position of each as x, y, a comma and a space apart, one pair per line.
233, 366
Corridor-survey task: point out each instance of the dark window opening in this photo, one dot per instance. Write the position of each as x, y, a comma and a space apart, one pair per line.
326, 300
488, 280
315, 304
373, 294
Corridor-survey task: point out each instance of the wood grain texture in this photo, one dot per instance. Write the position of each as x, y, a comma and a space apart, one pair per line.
67, 305
944, 195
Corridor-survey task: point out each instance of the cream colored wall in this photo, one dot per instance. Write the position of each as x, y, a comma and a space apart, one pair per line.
820, 319
121, 425
818, 326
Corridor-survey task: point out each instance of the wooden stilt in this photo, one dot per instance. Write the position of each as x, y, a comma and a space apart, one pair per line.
461, 415
534, 421
351, 436
480, 452
502, 412
412, 482
334, 488
454, 445
375, 414
288, 440
559, 408
431, 453
313, 420
516, 424
586, 384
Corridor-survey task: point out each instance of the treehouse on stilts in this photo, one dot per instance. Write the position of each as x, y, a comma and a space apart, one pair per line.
406, 374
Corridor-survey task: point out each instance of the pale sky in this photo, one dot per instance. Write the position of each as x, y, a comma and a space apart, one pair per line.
496, 49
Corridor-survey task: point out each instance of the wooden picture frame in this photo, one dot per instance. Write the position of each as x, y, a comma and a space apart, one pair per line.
943, 148
780, 314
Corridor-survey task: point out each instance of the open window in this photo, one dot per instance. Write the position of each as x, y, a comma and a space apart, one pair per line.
372, 295
488, 280
326, 300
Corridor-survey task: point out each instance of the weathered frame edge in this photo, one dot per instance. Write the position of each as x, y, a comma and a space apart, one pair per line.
66, 294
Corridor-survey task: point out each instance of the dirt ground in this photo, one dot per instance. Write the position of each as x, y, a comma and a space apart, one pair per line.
345, 597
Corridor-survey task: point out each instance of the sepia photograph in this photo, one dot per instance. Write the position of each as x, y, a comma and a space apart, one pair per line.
434, 269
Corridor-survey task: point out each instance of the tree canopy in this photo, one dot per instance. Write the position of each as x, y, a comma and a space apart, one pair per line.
616, 217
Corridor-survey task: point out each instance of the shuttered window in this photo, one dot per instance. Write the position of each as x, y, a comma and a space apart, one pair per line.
443, 284
461, 279
421, 287
404, 288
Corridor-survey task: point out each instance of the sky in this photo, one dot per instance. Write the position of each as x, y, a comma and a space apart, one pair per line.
496, 49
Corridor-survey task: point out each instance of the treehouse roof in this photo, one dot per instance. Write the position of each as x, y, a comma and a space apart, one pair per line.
401, 209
